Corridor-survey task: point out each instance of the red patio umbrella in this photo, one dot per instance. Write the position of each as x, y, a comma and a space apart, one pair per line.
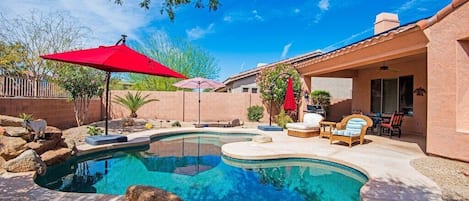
289, 102
116, 58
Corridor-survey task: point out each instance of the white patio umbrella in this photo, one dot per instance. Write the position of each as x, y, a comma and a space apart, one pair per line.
198, 83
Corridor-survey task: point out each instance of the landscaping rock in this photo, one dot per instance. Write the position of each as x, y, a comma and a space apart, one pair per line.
148, 193
2, 161
15, 131
2, 131
53, 157
10, 121
70, 143
27, 161
41, 146
11, 147
261, 139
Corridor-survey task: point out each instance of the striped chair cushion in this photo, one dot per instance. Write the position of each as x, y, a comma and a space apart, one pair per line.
353, 127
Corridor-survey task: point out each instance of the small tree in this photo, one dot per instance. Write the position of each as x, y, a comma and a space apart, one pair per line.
321, 97
82, 83
273, 84
133, 102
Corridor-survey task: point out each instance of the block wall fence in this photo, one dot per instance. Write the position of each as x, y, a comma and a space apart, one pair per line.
178, 105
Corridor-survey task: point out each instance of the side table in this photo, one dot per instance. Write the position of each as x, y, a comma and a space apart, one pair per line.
324, 132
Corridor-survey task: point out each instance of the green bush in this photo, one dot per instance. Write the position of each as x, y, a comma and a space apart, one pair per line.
321, 97
282, 119
92, 131
255, 113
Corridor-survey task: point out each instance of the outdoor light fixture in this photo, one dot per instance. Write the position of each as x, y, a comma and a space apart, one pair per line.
420, 91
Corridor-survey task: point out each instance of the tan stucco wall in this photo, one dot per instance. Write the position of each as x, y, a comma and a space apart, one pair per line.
57, 112
448, 81
183, 106
416, 66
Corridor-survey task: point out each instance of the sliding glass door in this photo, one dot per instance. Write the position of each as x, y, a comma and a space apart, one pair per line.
390, 95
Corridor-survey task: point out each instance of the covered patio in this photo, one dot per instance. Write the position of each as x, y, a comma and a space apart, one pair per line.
415, 69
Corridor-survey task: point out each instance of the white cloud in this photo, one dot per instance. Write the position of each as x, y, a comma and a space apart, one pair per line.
106, 19
346, 41
406, 6
257, 16
323, 5
286, 48
228, 18
296, 10
197, 32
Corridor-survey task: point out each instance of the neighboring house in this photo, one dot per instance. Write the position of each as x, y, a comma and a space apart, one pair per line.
419, 68
245, 82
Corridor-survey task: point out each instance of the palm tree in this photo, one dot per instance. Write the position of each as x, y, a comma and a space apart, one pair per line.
133, 102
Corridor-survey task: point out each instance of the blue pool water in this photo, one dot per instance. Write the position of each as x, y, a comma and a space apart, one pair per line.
191, 167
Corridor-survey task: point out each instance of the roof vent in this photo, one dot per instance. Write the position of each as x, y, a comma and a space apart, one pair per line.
385, 22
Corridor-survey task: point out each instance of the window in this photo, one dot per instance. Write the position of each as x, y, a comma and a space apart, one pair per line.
254, 90
389, 95
245, 89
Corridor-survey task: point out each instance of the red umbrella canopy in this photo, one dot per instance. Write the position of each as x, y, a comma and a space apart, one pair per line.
117, 58
289, 102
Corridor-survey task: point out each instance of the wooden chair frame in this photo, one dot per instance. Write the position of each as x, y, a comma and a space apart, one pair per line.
351, 139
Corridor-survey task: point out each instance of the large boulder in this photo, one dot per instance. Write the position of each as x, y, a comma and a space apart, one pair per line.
2, 131
53, 157
15, 131
148, 193
27, 161
53, 133
11, 147
41, 146
10, 121
70, 143
2, 161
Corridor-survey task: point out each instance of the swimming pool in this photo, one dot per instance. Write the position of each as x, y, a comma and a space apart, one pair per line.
191, 166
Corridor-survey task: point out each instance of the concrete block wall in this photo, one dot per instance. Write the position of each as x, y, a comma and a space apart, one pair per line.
57, 112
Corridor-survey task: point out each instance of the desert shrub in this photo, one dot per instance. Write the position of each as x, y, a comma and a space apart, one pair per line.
282, 118
94, 130
176, 124
25, 116
255, 113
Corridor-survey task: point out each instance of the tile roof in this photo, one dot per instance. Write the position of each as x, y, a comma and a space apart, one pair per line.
385, 36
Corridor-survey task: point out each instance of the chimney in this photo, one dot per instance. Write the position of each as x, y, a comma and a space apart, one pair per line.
386, 21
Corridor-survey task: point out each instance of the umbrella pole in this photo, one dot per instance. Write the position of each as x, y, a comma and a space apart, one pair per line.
199, 105
106, 117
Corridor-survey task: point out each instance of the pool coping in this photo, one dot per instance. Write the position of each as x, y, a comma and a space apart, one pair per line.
402, 182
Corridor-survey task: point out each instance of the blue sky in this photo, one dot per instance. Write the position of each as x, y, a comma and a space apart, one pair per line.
240, 34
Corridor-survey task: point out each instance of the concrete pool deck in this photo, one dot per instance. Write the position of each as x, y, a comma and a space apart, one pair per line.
385, 161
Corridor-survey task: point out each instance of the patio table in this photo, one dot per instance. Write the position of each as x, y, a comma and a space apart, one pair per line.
324, 132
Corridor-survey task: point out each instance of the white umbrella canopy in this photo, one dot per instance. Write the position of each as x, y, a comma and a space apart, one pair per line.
198, 83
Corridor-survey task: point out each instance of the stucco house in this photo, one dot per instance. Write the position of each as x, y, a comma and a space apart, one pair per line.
420, 68
245, 82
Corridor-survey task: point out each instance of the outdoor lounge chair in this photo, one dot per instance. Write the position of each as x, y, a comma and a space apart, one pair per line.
352, 128
393, 124
308, 128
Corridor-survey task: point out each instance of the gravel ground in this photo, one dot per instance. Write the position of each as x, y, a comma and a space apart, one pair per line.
452, 176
